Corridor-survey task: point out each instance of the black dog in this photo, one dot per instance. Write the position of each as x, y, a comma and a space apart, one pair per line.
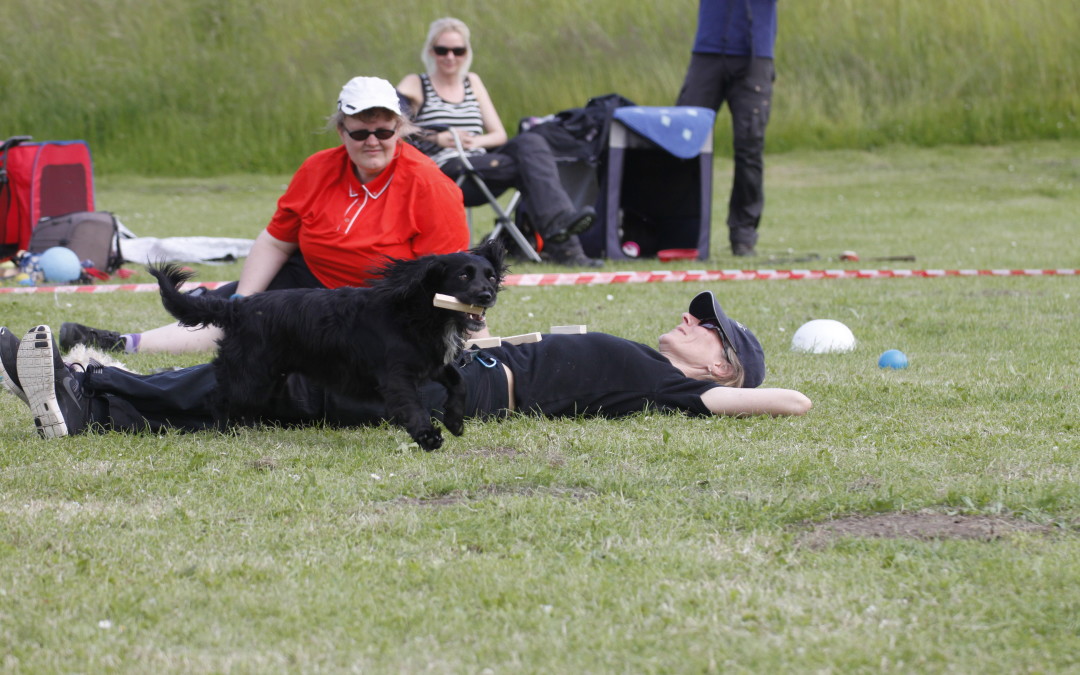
386, 339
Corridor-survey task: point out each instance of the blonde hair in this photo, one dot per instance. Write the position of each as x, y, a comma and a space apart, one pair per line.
437, 28
738, 374
737, 378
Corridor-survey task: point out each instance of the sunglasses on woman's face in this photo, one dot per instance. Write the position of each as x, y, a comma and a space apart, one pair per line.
362, 134
443, 51
728, 348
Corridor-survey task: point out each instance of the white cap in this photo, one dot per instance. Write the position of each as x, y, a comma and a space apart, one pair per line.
363, 93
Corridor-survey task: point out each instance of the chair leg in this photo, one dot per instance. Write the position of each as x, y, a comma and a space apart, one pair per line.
504, 222
502, 219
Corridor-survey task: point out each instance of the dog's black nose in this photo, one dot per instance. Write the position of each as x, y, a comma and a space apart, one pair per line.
485, 296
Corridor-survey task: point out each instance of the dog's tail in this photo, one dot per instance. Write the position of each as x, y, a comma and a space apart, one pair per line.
190, 310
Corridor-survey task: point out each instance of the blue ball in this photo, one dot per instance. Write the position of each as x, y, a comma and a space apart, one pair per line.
60, 264
893, 358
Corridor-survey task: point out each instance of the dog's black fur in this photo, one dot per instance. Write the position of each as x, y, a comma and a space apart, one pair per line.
386, 339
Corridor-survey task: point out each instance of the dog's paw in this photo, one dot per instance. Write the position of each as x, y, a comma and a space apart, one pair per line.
454, 424
429, 439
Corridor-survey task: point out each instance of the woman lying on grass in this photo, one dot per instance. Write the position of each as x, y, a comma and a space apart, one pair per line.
708, 364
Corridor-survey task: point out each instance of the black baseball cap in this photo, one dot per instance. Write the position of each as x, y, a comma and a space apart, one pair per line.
704, 307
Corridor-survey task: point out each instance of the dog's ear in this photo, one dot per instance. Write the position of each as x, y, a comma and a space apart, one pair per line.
495, 253
399, 279
432, 277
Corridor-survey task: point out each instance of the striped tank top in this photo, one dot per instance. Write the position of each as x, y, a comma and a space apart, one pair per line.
464, 116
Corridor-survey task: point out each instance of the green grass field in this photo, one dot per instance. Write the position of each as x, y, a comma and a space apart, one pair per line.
652, 544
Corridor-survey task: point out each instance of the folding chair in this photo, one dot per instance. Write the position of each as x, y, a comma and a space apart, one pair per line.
503, 220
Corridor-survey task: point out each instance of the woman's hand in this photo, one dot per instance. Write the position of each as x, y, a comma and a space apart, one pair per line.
469, 141
445, 139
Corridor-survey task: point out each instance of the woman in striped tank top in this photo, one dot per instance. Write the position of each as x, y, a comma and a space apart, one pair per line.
449, 95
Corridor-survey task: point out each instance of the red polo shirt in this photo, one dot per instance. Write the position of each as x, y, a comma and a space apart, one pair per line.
345, 229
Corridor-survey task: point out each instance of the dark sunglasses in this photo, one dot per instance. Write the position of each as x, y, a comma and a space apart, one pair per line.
362, 134
443, 51
727, 347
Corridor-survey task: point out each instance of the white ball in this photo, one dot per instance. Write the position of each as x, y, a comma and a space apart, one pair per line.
823, 336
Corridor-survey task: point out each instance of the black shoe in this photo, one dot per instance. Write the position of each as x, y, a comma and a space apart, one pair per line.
9, 353
743, 250
72, 334
53, 388
569, 253
574, 224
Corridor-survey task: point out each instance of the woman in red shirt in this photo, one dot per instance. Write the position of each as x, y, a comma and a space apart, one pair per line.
345, 211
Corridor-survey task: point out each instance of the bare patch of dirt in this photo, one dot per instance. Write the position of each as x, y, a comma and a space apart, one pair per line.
923, 526
463, 497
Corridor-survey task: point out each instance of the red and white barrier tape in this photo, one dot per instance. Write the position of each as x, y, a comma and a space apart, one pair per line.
605, 278
602, 278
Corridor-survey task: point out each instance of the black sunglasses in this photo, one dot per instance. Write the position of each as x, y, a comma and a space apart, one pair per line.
727, 346
362, 134
443, 51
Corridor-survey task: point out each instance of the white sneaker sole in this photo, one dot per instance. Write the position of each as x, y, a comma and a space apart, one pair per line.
38, 378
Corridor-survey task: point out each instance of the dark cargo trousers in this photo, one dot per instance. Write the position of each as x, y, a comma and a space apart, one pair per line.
746, 85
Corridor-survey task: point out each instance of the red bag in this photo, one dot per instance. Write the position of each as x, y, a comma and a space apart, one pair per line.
40, 180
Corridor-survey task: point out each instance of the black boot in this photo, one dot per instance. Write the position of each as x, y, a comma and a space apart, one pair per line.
569, 225
568, 253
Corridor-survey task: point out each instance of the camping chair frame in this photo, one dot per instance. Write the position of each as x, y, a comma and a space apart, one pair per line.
503, 221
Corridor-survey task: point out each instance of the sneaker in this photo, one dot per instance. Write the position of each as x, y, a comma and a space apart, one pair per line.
743, 250
72, 334
53, 389
569, 253
575, 224
9, 353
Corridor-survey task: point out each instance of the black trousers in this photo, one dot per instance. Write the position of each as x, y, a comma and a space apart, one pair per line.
186, 400
293, 274
527, 164
746, 84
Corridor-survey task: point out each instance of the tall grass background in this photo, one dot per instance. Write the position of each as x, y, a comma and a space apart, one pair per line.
210, 87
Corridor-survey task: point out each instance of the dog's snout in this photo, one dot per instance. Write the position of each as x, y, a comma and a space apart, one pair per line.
485, 296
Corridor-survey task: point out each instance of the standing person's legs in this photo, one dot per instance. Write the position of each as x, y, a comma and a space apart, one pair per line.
750, 100
706, 81
746, 84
